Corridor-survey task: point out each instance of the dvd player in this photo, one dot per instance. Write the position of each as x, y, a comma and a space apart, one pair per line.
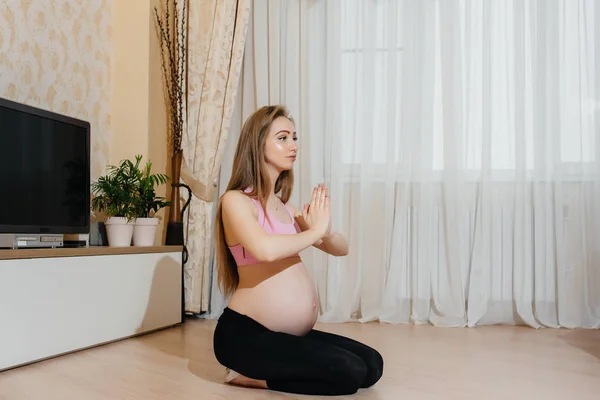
28, 240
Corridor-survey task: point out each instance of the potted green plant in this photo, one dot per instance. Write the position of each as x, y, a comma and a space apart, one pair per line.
147, 204
114, 195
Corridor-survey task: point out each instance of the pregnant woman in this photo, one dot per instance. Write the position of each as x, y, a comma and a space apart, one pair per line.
265, 336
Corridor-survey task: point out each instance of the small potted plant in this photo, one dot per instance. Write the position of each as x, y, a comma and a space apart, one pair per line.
147, 204
114, 195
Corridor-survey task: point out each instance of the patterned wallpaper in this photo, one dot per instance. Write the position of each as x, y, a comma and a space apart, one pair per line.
56, 55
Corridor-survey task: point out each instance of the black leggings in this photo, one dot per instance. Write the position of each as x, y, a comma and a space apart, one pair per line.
318, 363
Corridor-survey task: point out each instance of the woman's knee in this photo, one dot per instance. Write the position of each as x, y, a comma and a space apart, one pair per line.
352, 373
374, 364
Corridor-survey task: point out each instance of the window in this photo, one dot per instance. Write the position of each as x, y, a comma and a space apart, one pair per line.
522, 86
371, 62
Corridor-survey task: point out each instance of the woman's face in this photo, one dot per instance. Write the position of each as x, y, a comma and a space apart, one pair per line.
281, 145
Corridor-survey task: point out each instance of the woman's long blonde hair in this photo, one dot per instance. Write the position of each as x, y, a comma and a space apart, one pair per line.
249, 172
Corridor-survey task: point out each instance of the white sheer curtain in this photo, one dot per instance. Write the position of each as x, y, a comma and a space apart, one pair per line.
460, 140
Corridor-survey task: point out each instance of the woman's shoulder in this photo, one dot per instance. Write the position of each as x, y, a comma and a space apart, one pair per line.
237, 200
235, 196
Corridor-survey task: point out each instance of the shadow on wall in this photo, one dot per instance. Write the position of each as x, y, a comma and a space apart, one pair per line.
164, 304
163, 307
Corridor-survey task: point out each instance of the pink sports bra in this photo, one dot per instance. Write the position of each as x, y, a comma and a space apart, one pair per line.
275, 227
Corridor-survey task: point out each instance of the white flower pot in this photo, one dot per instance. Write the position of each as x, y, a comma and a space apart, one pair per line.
118, 231
144, 231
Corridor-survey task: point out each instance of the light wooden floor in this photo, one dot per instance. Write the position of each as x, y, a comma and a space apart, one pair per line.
421, 362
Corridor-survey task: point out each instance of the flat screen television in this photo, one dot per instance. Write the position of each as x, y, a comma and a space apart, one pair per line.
44, 171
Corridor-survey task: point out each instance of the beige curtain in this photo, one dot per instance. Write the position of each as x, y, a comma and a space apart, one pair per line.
216, 40
480, 194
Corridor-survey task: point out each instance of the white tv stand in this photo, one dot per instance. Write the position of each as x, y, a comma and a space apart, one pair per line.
56, 301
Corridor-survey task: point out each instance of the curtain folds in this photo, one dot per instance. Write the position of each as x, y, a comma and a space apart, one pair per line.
216, 42
460, 140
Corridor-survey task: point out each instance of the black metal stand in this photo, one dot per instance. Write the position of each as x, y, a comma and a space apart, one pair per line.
175, 237
174, 234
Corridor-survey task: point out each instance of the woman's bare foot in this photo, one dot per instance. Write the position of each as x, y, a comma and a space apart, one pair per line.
241, 380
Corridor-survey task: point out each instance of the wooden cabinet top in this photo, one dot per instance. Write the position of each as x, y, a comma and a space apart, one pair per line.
13, 254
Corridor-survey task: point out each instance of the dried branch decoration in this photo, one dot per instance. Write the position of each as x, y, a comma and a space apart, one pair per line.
172, 26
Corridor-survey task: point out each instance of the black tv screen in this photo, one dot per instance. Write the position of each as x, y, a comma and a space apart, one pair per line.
44, 171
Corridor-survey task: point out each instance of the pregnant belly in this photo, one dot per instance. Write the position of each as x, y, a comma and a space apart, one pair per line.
285, 302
